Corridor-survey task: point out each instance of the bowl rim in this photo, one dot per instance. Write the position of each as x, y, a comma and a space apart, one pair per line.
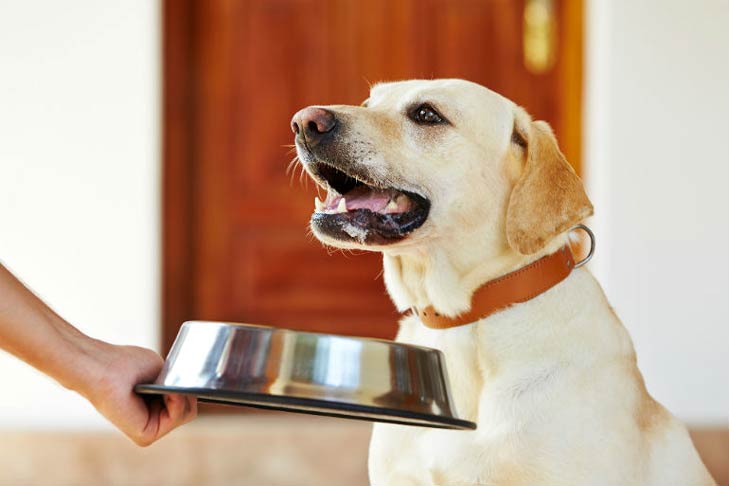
312, 406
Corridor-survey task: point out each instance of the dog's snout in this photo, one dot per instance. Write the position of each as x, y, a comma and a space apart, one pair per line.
312, 123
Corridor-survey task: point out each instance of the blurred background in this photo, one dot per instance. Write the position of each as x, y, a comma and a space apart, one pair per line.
143, 182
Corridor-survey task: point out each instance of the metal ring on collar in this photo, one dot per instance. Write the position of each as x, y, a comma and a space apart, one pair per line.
592, 243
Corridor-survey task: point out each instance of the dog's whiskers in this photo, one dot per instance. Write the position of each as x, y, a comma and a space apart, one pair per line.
302, 176
310, 233
292, 164
291, 169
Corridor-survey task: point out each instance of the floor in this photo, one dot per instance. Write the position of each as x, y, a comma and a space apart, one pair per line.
272, 450
234, 450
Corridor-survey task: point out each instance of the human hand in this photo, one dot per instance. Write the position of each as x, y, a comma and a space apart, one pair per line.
111, 391
103, 373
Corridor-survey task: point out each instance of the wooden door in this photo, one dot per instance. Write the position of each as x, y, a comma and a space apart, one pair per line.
236, 245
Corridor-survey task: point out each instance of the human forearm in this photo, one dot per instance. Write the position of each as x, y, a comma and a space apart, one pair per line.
33, 332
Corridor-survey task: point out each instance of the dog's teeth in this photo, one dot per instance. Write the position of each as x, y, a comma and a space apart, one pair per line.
342, 206
391, 206
318, 205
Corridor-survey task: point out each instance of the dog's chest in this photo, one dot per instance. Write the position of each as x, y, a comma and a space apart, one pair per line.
460, 348
460, 455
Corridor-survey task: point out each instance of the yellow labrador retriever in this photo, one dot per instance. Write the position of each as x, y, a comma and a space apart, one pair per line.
471, 203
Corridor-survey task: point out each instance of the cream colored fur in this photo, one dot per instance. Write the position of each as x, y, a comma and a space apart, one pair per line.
552, 383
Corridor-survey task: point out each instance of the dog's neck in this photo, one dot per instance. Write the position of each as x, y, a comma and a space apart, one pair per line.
442, 275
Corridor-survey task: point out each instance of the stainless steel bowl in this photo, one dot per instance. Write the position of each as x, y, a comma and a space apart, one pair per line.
321, 374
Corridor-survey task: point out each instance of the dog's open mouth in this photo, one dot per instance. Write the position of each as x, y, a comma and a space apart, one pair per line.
364, 211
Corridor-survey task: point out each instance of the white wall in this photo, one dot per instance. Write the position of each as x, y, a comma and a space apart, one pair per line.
658, 171
79, 180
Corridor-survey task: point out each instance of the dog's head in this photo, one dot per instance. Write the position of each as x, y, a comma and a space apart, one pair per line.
425, 160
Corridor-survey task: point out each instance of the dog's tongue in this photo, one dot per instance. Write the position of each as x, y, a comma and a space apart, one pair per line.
364, 197
378, 201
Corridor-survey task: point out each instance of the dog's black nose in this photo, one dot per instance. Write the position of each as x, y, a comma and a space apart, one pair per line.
312, 123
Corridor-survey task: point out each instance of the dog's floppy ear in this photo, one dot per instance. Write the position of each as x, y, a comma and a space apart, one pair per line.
548, 198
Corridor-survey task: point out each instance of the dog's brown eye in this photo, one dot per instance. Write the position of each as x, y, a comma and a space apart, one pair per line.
426, 115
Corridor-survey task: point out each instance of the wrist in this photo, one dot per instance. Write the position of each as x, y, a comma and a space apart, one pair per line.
79, 362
